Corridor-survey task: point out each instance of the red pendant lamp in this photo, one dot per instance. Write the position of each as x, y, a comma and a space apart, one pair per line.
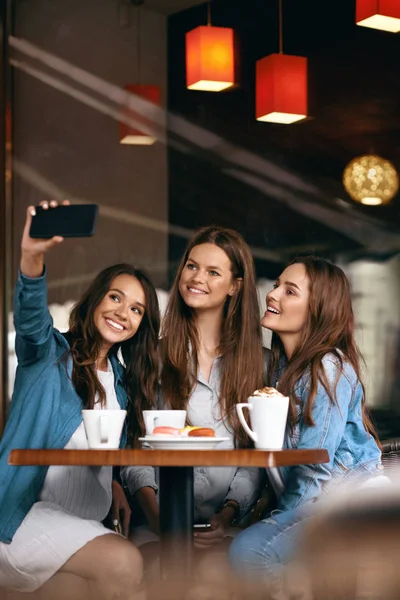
210, 64
281, 86
379, 14
127, 133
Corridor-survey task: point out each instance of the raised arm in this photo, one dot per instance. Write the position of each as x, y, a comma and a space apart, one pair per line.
32, 320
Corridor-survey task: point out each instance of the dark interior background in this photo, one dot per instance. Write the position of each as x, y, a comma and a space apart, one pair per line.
354, 92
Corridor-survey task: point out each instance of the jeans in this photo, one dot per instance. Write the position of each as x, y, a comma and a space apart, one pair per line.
264, 547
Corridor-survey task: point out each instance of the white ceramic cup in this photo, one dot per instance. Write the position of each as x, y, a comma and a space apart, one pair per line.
103, 428
163, 418
268, 417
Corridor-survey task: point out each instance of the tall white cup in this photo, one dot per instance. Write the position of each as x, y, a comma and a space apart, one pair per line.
103, 428
164, 418
268, 417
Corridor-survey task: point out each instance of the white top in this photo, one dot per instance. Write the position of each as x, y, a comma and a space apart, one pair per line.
68, 486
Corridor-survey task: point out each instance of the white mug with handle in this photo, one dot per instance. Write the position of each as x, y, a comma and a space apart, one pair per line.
268, 417
104, 428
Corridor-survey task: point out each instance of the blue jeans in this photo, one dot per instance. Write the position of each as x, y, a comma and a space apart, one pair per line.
264, 547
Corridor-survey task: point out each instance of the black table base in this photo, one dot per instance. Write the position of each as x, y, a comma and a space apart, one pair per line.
176, 521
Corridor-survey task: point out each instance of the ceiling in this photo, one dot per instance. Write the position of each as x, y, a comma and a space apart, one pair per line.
168, 7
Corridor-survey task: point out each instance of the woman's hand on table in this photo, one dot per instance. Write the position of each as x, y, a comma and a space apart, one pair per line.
33, 249
121, 511
220, 524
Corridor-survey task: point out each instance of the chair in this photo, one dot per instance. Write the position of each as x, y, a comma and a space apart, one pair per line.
391, 456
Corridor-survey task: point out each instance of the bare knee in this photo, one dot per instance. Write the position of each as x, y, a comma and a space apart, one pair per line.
109, 563
124, 566
212, 565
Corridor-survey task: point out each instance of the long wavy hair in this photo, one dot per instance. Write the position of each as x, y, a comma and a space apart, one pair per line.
329, 329
240, 344
139, 353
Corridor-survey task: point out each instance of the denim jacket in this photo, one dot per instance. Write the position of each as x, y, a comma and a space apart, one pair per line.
45, 408
338, 428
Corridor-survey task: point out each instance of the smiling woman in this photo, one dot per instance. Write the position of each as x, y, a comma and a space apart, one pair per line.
119, 314
287, 306
316, 363
112, 314
212, 358
206, 279
51, 531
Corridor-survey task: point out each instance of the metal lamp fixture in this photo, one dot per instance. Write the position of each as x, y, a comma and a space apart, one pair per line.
128, 134
371, 180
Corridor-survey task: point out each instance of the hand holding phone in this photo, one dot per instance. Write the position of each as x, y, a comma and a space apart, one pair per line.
33, 250
202, 527
67, 220
211, 533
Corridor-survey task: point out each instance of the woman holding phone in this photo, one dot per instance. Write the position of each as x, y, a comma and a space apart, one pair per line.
51, 536
212, 358
316, 363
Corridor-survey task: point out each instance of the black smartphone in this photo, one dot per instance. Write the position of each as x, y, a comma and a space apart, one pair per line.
72, 220
201, 527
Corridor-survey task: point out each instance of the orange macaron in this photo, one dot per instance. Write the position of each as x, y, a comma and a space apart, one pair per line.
202, 432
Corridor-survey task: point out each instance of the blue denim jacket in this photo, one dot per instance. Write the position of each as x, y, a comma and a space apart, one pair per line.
45, 408
338, 428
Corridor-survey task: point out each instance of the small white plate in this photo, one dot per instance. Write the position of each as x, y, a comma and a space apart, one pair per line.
159, 442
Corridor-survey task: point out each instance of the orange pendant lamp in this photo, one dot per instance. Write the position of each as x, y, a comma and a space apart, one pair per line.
379, 14
281, 86
210, 64
127, 133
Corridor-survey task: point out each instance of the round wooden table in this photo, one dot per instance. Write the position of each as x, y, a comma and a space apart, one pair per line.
176, 481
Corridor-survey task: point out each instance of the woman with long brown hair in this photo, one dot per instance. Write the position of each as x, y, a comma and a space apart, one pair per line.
52, 539
315, 361
212, 358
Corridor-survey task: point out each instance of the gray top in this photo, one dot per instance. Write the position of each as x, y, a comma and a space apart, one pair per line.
212, 485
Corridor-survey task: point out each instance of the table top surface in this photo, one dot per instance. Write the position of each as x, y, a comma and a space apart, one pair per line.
169, 458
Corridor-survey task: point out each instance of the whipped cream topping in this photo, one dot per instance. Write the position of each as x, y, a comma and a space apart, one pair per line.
268, 391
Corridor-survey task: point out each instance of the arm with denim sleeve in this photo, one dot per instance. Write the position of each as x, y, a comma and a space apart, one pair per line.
245, 488
32, 319
304, 482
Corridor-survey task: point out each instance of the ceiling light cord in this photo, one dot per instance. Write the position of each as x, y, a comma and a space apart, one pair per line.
139, 78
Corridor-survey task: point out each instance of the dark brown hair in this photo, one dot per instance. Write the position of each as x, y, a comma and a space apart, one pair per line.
139, 352
329, 329
240, 344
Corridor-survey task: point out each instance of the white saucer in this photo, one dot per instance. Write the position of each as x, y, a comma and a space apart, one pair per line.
159, 442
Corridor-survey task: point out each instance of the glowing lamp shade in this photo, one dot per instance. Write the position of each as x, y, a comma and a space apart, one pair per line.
281, 89
129, 135
379, 14
371, 180
210, 62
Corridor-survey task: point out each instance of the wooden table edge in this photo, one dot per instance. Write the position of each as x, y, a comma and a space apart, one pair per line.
168, 458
